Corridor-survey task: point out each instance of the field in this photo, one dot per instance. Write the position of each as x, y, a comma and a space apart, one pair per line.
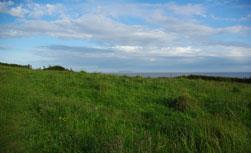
64, 111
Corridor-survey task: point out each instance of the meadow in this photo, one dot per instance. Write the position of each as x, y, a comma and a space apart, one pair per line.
63, 111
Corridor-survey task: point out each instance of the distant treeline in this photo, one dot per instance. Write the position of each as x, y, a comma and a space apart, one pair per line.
55, 67
215, 78
16, 65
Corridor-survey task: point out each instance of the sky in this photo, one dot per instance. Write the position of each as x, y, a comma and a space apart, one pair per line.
128, 35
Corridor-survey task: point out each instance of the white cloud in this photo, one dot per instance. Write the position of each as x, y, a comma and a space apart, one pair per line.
9, 8
235, 29
188, 9
31, 9
4, 5
246, 18
17, 11
94, 27
128, 49
39, 10
177, 51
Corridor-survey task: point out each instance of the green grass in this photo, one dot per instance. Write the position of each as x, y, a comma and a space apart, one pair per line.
63, 111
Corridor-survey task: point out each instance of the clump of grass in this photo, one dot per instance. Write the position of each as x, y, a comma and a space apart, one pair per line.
182, 103
236, 89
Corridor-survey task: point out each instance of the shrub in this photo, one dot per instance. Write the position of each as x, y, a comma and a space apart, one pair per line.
56, 67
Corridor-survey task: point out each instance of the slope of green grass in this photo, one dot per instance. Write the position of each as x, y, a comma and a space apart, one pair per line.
57, 111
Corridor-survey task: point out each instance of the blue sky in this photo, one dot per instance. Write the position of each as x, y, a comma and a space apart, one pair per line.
135, 36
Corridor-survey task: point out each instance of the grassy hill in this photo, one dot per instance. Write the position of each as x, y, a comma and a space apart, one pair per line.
64, 111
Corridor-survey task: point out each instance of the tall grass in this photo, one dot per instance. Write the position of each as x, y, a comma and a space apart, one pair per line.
64, 111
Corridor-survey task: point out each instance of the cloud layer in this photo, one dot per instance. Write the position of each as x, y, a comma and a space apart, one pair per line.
154, 33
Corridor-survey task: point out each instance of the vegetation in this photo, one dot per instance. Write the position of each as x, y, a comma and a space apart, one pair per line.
56, 67
64, 111
16, 65
244, 80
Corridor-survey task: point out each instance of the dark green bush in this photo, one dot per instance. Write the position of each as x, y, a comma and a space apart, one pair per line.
57, 68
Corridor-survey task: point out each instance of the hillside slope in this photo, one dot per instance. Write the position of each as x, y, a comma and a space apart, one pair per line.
57, 111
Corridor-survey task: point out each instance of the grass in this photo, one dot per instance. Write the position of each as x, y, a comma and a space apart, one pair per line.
64, 111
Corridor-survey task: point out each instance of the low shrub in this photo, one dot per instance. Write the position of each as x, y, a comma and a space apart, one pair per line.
57, 68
